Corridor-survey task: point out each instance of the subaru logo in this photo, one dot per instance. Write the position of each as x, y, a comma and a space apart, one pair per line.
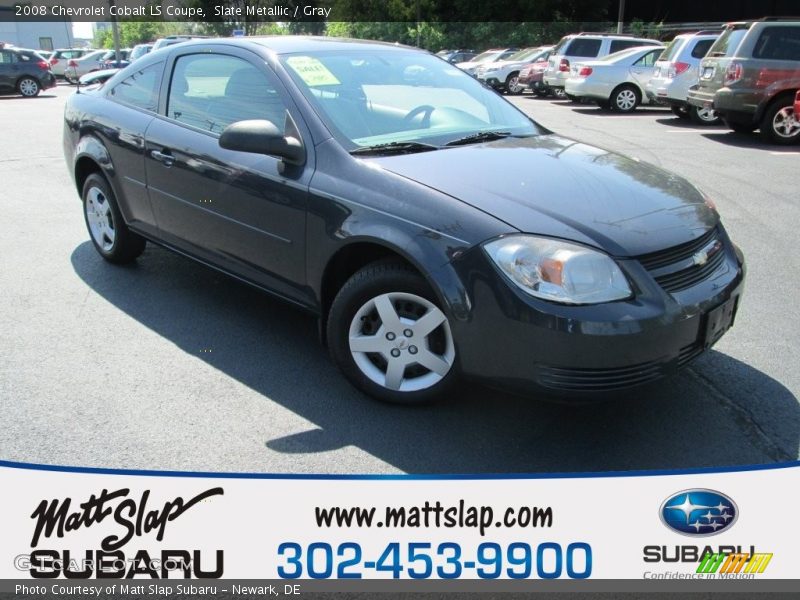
699, 512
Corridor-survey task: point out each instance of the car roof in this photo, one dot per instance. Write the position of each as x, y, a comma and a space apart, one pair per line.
286, 44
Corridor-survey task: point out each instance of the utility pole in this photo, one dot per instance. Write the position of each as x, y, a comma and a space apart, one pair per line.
417, 23
620, 16
115, 31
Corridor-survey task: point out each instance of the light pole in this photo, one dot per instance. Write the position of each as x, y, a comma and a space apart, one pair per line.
114, 31
620, 15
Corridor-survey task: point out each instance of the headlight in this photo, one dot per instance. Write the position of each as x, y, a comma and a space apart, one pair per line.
491, 69
559, 271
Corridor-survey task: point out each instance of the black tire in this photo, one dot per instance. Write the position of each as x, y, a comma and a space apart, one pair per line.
29, 87
571, 98
625, 99
739, 127
603, 104
541, 92
703, 117
126, 245
513, 87
374, 280
779, 125
682, 112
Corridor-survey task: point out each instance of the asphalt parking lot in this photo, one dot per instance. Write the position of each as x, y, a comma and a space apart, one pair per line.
169, 365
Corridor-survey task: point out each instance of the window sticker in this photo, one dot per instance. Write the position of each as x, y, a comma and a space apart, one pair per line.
312, 71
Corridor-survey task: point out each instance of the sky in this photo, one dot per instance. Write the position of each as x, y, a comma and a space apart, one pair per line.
82, 30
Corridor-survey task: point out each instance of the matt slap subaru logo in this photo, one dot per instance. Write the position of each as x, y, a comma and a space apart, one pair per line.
699, 512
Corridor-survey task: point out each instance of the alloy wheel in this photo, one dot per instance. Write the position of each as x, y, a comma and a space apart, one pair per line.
100, 218
402, 342
785, 124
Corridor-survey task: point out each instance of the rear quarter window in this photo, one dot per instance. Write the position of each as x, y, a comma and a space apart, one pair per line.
583, 47
728, 42
672, 50
701, 48
778, 43
140, 90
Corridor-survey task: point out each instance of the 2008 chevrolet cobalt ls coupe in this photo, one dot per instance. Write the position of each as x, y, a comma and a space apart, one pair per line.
350, 178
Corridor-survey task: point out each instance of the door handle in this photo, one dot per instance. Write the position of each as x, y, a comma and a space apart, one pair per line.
164, 157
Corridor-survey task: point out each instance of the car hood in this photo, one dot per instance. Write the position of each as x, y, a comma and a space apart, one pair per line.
558, 187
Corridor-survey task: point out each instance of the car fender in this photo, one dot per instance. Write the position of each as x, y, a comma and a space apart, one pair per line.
90, 146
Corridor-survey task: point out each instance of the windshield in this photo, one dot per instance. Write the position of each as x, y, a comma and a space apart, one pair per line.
370, 97
489, 54
728, 42
621, 55
523, 54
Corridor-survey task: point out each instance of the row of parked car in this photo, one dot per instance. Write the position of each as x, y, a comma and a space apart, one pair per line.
28, 72
746, 75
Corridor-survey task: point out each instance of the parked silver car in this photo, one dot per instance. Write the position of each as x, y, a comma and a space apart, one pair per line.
504, 74
583, 47
489, 56
77, 67
676, 70
616, 81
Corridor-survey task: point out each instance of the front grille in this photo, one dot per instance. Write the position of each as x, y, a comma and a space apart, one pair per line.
663, 258
599, 380
686, 278
674, 269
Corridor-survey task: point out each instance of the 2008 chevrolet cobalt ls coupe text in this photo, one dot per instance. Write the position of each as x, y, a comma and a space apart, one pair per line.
350, 178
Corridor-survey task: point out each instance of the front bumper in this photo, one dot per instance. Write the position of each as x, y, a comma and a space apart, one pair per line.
515, 341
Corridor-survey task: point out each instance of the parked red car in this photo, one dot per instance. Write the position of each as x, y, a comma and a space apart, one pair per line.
797, 105
532, 77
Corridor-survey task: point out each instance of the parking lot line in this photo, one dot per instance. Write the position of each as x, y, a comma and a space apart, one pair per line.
785, 153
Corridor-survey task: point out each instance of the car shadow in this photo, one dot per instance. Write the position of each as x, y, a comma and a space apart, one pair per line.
647, 111
720, 412
18, 97
679, 123
751, 141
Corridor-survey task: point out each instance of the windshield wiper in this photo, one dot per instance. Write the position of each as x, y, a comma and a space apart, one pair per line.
394, 148
481, 136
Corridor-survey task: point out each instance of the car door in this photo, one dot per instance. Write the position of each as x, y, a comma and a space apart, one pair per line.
240, 211
643, 69
9, 71
122, 125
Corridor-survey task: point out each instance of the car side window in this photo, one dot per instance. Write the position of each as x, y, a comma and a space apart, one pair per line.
778, 43
649, 59
211, 91
617, 45
140, 89
7, 57
701, 48
584, 47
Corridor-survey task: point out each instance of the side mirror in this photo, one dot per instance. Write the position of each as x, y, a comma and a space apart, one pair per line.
262, 137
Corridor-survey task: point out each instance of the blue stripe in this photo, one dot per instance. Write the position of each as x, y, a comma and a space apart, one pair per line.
431, 476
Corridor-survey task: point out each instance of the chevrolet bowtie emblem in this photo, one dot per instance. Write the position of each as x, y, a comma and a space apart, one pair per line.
700, 258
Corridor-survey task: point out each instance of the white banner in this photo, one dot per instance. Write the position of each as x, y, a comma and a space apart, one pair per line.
710, 525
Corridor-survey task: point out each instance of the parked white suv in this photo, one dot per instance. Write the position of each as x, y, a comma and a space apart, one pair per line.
676, 70
582, 47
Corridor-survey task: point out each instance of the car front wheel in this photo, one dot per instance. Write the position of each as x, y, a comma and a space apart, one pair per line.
110, 236
28, 87
389, 337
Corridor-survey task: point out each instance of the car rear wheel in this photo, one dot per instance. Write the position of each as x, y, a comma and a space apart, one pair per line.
680, 111
703, 116
780, 124
542, 92
390, 338
513, 86
110, 236
625, 99
603, 104
28, 87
